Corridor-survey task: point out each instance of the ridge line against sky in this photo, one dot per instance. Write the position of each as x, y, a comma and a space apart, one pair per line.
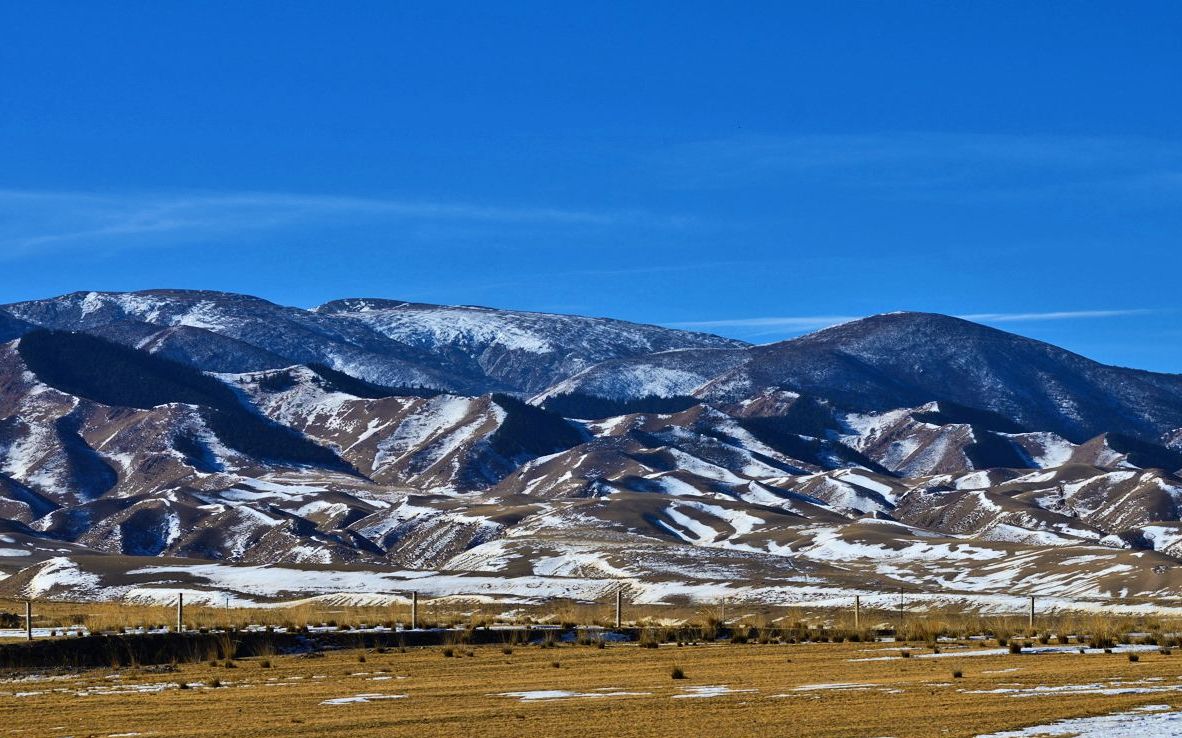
759, 168
769, 325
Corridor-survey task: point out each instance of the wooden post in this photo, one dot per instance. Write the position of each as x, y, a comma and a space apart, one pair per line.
1031, 618
28, 620
180, 613
619, 606
857, 612
414, 610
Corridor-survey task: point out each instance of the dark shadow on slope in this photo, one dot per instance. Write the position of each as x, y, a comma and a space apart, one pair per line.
115, 375
590, 407
529, 431
338, 381
1145, 455
992, 451
90, 475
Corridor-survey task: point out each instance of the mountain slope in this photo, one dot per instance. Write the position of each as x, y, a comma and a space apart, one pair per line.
523, 350
459, 349
909, 359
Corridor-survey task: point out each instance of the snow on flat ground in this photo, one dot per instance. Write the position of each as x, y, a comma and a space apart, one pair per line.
537, 695
361, 698
716, 690
1150, 721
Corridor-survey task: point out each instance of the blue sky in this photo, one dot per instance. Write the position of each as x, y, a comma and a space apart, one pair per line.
754, 169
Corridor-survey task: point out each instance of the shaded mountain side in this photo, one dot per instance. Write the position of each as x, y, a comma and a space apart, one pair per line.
590, 407
909, 359
108, 373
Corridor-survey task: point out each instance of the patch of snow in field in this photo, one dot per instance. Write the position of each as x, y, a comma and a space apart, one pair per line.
560, 694
835, 685
1108, 689
1144, 722
361, 698
716, 690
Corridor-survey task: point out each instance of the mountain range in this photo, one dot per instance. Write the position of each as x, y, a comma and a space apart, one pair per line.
229, 447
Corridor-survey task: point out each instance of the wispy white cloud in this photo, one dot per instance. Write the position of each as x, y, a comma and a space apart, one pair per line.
35, 221
934, 164
1053, 315
801, 323
768, 325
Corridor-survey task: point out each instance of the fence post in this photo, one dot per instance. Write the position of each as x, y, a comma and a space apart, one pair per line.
857, 612
619, 605
414, 610
1031, 616
180, 612
28, 620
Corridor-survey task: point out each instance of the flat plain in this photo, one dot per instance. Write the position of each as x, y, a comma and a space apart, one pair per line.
818, 689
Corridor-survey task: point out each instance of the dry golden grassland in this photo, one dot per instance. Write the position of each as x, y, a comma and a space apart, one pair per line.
916, 626
424, 692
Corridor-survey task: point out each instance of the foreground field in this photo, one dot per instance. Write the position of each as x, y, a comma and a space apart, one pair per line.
851, 689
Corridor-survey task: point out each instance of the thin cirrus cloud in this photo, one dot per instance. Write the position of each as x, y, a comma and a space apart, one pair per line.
36, 222
791, 324
937, 164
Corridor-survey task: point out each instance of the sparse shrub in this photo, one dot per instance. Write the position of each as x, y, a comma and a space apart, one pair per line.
1001, 641
677, 673
600, 644
649, 644
958, 674
1164, 651
214, 683
1044, 639
448, 653
182, 685
905, 654
265, 664
361, 658
1134, 658
1015, 647
1101, 640
556, 664
230, 664
507, 651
